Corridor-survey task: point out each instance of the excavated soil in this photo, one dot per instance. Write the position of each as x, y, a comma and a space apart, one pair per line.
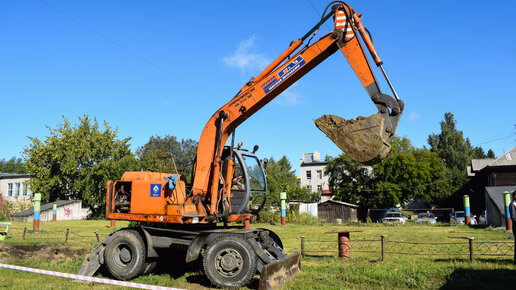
53, 252
361, 139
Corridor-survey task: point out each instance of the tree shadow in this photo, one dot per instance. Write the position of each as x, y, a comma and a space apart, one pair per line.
498, 261
463, 278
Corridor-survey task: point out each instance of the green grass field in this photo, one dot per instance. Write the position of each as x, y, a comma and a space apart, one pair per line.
438, 266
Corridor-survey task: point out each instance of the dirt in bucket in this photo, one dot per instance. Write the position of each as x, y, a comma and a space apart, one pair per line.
363, 139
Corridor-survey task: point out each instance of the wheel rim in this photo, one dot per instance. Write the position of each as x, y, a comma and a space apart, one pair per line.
228, 262
123, 255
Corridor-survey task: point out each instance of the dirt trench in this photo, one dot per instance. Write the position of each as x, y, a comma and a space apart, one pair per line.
53, 252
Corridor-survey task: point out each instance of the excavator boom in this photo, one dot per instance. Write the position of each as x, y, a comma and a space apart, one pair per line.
365, 139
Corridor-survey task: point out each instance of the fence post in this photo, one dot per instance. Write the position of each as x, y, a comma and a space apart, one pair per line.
66, 236
283, 198
383, 248
37, 208
302, 246
471, 249
24, 231
97, 235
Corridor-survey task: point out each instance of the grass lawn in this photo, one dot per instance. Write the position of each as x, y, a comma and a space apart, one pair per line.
364, 269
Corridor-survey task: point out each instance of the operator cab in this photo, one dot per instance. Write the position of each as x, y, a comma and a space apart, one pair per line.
249, 186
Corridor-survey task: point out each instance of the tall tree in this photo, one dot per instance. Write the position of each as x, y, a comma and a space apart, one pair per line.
76, 161
455, 150
13, 165
450, 144
281, 177
165, 151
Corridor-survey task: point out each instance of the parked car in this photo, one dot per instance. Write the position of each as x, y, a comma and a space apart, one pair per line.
426, 217
394, 217
459, 217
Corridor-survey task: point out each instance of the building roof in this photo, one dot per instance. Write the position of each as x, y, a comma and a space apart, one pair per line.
497, 194
44, 207
14, 175
310, 164
507, 159
340, 202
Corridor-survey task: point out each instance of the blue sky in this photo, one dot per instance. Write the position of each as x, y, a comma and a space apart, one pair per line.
164, 67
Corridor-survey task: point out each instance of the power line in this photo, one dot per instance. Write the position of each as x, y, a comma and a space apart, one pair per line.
127, 50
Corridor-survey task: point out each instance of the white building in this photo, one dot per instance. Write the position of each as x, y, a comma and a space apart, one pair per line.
13, 187
312, 172
66, 210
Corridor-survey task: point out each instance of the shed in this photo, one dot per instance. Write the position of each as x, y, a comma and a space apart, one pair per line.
331, 210
66, 210
495, 207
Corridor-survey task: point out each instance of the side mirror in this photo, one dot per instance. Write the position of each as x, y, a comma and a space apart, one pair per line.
255, 148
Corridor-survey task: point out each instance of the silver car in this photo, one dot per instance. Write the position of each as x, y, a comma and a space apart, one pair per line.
394, 217
426, 217
459, 217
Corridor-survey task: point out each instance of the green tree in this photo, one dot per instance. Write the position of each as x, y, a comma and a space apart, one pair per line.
281, 177
13, 165
450, 144
491, 154
349, 180
407, 173
417, 174
168, 150
76, 161
456, 152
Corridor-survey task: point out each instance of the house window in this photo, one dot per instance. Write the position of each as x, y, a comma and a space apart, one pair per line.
308, 174
319, 187
25, 188
319, 174
17, 189
9, 189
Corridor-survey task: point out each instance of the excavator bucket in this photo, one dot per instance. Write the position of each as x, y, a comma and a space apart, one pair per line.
280, 272
364, 139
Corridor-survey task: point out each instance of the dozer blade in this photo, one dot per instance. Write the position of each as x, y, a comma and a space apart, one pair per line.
364, 139
94, 259
280, 272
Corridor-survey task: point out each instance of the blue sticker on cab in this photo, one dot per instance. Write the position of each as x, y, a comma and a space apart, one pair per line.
155, 190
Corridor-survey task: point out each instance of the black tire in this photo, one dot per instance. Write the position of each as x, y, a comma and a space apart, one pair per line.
125, 255
229, 261
274, 237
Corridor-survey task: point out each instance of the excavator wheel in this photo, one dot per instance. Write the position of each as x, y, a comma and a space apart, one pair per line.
274, 237
229, 261
125, 255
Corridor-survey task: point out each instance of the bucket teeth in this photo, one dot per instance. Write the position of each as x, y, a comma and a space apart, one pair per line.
364, 139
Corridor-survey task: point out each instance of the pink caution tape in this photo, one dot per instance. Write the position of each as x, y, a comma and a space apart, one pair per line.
84, 278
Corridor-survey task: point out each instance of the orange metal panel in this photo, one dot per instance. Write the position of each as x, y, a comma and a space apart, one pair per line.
148, 197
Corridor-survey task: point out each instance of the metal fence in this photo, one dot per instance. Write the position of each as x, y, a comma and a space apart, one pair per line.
469, 248
70, 236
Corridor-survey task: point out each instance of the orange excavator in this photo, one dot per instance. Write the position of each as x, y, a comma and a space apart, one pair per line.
228, 182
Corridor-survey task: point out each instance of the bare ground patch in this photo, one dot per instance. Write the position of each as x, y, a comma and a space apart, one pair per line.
53, 252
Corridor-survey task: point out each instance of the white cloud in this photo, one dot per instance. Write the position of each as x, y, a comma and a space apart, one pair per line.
413, 116
288, 97
245, 57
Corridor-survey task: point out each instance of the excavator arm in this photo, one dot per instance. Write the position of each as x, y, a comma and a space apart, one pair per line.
366, 139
